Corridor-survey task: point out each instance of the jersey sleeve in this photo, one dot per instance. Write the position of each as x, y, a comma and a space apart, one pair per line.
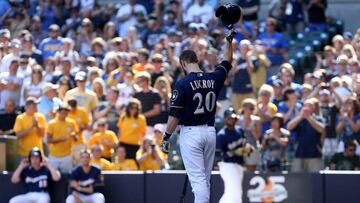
221, 70
178, 100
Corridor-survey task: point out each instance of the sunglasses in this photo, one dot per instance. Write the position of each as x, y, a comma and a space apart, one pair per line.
157, 61
351, 149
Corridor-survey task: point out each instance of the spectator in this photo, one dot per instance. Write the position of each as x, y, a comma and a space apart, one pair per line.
10, 85
127, 90
49, 66
67, 51
198, 12
126, 16
8, 118
291, 106
241, 86
61, 133
34, 87
85, 98
251, 126
29, 48
150, 99
276, 46
316, 14
108, 109
159, 130
153, 34
287, 74
36, 172
309, 128
49, 101
346, 160
104, 137
266, 109
82, 119
278, 87
132, 125
348, 123
162, 84
52, 44
96, 160
329, 112
250, 10
98, 86
13, 54
149, 156
274, 145
84, 37
82, 182
294, 16
66, 66
121, 162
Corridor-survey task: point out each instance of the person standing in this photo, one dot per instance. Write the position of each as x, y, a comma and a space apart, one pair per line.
231, 145
29, 128
60, 134
193, 106
36, 172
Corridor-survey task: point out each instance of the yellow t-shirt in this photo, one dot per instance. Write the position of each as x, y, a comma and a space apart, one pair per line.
104, 164
98, 138
33, 138
132, 130
149, 163
88, 99
81, 117
126, 165
60, 129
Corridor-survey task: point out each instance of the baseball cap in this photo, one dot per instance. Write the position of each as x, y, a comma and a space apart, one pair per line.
347, 35
230, 112
35, 152
63, 106
245, 43
54, 27
28, 38
159, 127
15, 43
31, 100
278, 83
49, 86
5, 33
324, 92
80, 76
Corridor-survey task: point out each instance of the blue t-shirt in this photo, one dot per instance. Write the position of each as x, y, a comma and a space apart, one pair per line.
283, 108
48, 17
348, 133
36, 181
308, 139
242, 81
86, 179
194, 97
49, 47
275, 40
228, 140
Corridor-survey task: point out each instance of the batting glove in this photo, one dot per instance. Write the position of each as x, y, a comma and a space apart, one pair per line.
165, 145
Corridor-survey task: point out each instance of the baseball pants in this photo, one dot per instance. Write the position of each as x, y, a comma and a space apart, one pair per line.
93, 198
197, 146
232, 175
31, 197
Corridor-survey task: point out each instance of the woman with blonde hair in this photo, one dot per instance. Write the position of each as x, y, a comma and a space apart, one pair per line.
251, 126
134, 42
132, 128
266, 109
99, 88
162, 84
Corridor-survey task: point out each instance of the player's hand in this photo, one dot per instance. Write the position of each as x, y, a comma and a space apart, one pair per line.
230, 35
24, 163
165, 146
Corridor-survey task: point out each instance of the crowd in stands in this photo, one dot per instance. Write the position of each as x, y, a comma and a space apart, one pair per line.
76, 74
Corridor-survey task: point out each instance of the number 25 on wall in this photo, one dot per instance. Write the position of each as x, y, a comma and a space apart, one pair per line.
267, 190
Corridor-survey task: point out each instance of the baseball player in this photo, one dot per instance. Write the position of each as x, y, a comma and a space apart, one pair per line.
231, 145
82, 181
36, 173
193, 105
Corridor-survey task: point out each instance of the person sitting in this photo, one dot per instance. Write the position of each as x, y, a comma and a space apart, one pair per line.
149, 156
82, 181
97, 151
346, 160
35, 171
104, 137
121, 162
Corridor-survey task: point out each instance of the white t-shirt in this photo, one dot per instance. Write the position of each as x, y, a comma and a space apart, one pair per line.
9, 94
126, 93
125, 11
205, 13
32, 90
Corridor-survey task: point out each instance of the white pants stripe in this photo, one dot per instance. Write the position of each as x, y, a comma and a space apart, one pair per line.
232, 175
197, 146
31, 197
93, 198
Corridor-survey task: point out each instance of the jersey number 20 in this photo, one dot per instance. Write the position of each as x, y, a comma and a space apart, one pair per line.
209, 104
